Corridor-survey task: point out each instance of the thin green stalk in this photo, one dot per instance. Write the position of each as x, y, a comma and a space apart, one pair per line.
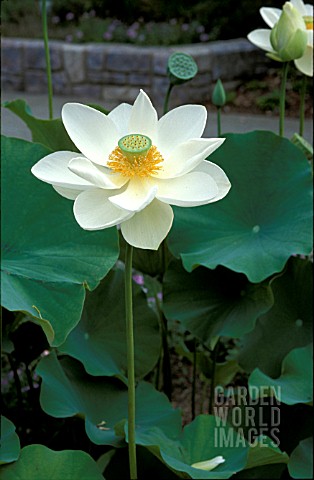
166, 102
213, 378
219, 121
283, 98
130, 360
302, 104
47, 57
193, 382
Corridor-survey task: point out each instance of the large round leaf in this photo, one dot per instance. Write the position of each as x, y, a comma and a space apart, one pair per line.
10, 442
211, 303
99, 340
68, 390
38, 462
202, 440
47, 259
50, 133
287, 325
266, 216
295, 384
264, 452
301, 460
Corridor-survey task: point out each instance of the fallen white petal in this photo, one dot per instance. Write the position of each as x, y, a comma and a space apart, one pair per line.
53, 169
138, 194
93, 211
95, 174
209, 465
190, 190
186, 156
93, 132
180, 125
143, 118
148, 228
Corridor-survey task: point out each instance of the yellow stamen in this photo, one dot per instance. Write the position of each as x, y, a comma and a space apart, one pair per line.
135, 165
308, 22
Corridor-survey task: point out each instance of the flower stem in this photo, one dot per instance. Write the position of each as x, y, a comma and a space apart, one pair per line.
302, 104
166, 102
218, 121
283, 98
130, 360
47, 56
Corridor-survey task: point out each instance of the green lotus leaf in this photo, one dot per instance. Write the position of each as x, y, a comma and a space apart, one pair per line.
301, 460
99, 340
38, 462
68, 390
50, 133
212, 303
47, 259
287, 325
265, 218
263, 452
203, 439
10, 442
295, 384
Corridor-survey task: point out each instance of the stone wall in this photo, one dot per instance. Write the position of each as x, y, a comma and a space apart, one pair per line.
115, 72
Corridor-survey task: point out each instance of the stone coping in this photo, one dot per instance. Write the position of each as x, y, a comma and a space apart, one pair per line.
116, 72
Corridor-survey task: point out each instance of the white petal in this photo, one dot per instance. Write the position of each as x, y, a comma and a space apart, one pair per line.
179, 125
299, 5
148, 228
261, 38
305, 63
190, 190
219, 176
94, 134
187, 156
308, 10
143, 118
138, 194
95, 174
69, 193
121, 117
93, 211
270, 15
53, 169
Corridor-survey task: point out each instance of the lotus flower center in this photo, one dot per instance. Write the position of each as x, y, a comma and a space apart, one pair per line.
135, 156
308, 22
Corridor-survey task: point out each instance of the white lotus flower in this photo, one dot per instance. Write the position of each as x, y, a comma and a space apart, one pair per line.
262, 37
133, 167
